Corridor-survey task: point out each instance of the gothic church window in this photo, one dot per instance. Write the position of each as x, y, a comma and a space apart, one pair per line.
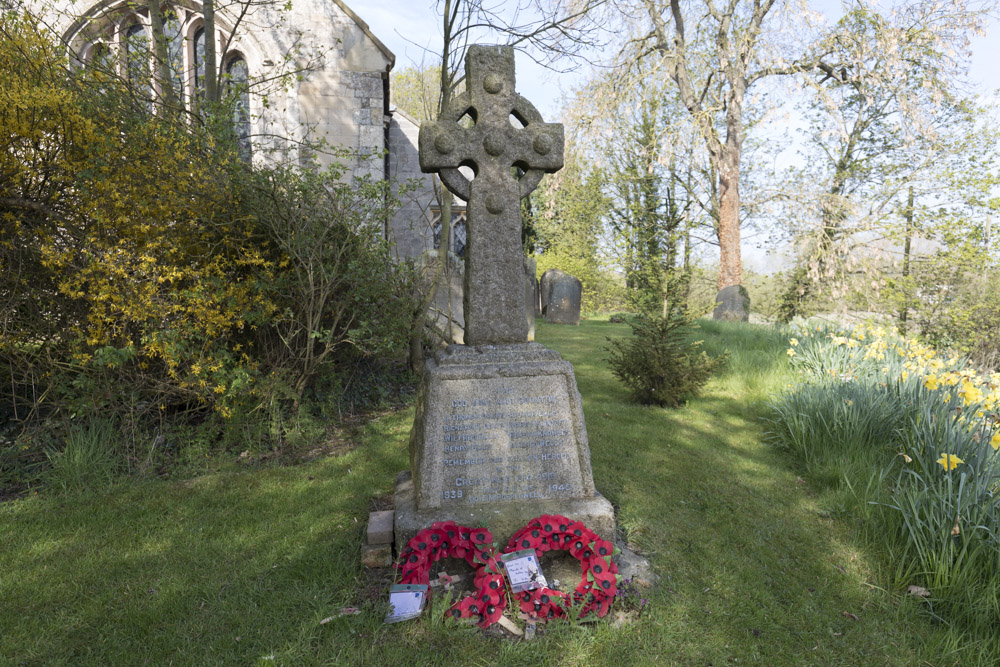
137, 56
459, 236
237, 89
123, 42
199, 62
175, 51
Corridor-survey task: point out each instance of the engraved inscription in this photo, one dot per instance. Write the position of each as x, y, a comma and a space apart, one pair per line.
508, 440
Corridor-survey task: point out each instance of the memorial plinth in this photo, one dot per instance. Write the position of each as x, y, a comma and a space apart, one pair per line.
499, 435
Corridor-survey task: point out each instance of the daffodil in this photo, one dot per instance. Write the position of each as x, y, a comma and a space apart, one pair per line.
995, 441
970, 392
949, 461
793, 342
790, 352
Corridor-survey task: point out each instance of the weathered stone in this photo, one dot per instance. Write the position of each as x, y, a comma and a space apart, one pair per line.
544, 287
633, 566
503, 520
531, 268
562, 296
732, 303
380, 527
530, 295
498, 435
494, 280
376, 555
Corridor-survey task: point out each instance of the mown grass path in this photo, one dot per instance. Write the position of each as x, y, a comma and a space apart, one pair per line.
241, 567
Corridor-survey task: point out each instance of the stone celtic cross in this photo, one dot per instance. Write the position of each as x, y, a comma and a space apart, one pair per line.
492, 148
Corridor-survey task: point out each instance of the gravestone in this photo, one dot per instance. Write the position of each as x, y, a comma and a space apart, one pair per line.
499, 435
544, 288
563, 296
732, 303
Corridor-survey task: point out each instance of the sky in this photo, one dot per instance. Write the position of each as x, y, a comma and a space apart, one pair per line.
411, 30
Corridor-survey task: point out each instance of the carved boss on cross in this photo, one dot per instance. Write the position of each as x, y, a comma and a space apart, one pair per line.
492, 148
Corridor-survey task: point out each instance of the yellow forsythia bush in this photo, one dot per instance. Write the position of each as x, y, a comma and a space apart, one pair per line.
146, 269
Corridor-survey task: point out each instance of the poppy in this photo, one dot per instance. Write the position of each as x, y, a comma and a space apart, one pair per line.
466, 606
449, 529
481, 536
603, 548
607, 586
414, 559
603, 607
420, 541
491, 615
492, 597
599, 566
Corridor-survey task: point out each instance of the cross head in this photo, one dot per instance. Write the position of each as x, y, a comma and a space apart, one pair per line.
495, 150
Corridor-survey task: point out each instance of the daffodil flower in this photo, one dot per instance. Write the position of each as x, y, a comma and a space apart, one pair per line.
949, 461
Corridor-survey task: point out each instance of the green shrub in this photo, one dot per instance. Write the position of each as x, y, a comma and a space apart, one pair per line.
660, 364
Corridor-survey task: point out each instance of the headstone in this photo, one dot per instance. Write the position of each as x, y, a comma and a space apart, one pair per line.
544, 288
531, 268
564, 294
732, 303
498, 435
530, 294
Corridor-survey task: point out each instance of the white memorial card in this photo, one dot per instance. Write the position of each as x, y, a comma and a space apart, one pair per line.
406, 601
523, 571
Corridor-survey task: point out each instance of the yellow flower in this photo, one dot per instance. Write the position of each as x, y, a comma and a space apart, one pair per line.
949, 461
970, 392
790, 352
995, 441
793, 342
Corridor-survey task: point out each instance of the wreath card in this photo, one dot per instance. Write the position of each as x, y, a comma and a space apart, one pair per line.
406, 601
523, 570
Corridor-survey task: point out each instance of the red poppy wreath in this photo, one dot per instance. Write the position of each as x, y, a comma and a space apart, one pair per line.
599, 583
446, 539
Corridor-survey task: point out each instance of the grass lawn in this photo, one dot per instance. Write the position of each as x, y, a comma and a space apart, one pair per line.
241, 567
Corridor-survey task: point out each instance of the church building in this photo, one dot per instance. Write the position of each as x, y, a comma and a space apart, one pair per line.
304, 72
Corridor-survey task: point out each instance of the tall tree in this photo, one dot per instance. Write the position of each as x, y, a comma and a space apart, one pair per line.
882, 122
714, 53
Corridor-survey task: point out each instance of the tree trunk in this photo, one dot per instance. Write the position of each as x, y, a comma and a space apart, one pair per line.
211, 59
730, 261
908, 218
161, 56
